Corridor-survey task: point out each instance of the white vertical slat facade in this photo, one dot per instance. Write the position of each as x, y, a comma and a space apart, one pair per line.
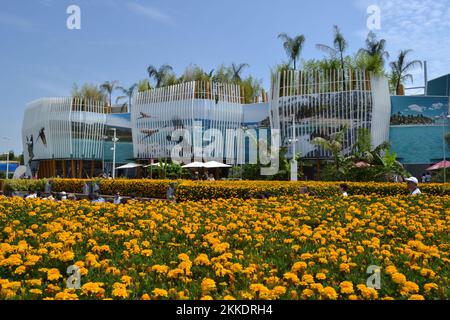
63, 128
323, 102
158, 112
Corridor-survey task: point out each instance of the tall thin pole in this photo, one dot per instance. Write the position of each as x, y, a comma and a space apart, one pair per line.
7, 157
114, 153
443, 148
7, 165
294, 173
425, 73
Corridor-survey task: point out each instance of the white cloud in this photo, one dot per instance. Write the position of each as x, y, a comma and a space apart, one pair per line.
15, 21
150, 13
47, 3
421, 25
416, 108
436, 106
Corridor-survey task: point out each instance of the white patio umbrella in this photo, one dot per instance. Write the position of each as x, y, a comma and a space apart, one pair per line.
130, 165
158, 164
194, 165
215, 164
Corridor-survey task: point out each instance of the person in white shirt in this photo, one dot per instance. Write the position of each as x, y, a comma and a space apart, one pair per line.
343, 188
117, 198
413, 188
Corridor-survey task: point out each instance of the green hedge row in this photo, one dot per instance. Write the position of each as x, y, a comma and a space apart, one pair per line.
190, 190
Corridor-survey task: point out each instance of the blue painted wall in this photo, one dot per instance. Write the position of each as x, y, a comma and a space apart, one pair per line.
416, 132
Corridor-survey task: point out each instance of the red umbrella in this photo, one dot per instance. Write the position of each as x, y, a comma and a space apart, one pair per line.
440, 165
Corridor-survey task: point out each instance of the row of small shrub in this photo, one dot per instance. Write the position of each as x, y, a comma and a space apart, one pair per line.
193, 190
253, 189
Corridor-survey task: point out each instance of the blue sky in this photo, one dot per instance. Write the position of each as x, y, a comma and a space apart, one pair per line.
40, 57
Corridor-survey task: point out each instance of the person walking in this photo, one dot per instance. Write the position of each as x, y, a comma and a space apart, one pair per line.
413, 186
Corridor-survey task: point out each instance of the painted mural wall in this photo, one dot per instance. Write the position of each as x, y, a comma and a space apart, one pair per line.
418, 127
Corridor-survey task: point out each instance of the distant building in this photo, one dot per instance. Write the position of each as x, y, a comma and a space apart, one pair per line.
69, 137
419, 125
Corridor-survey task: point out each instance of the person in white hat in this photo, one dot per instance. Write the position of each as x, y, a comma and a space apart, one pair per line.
413, 186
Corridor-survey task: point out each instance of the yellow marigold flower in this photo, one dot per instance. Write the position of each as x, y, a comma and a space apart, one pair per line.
279, 291
53, 274
307, 293
34, 282
299, 266
430, 286
329, 293
208, 285
321, 276
202, 259
206, 298
391, 270
346, 287
427, 273
145, 296
183, 257
344, 267
160, 268
120, 290
127, 280
67, 256
20, 270
174, 273
35, 291
146, 252
410, 287
92, 288
228, 297
292, 277
160, 293
236, 267
308, 278
398, 278
66, 296
416, 297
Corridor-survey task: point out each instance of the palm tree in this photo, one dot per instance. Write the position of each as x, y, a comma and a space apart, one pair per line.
334, 144
339, 46
160, 74
401, 69
88, 92
293, 46
128, 93
108, 88
143, 85
236, 71
372, 57
374, 47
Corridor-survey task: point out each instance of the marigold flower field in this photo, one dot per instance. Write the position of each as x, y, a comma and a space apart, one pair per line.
278, 248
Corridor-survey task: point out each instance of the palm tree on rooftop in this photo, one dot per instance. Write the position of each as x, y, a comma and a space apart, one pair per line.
159, 75
340, 45
293, 46
401, 68
108, 88
375, 47
236, 71
128, 93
